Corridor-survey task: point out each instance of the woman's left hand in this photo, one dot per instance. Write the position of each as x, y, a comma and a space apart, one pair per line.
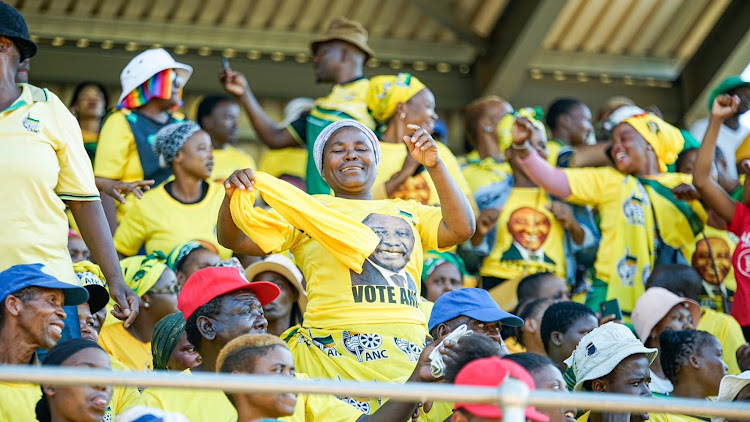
685, 192
127, 303
421, 146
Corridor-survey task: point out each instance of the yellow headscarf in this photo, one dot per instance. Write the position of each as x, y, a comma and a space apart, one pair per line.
89, 273
505, 127
743, 152
665, 139
142, 272
387, 91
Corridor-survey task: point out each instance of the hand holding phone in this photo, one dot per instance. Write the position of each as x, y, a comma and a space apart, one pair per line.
611, 307
225, 63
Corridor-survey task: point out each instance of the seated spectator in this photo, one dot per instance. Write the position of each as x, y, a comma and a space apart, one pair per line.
77, 403
542, 286
152, 85
91, 279
685, 282
219, 116
261, 354
156, 285
692, 363
288, 309
468, 349
473, 308
563, 326
442, 272
546, 377
398, 101
492, 372
169, 345
77, 248
610, 359
88, 105
190, 257
182, 209
734, 388
31, 318
656, 311
528, 337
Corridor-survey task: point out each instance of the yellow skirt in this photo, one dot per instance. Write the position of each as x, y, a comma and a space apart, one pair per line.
364, 353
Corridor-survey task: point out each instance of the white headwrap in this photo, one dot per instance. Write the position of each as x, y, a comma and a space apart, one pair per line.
322, 139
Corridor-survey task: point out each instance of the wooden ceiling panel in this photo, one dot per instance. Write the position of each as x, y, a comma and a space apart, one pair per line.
212, 12
672, 35
309, 16
62, 6
335, 8
162, 13
261, 14
706, 21
287, 13
383, 17
563, 21
486, 16
363, 12
408, 15
653, 27
603, 29
630, 26
186, 10
578, 29
110, 8
240, 10
30, 6
85, 7
135, 9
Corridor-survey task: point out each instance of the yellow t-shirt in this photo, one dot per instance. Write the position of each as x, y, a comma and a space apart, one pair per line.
116, 154
123, 398
529, 238
626, 250
18, 401
388, 288
729, 333
229, 159
213, 405
289, 161
480, 173
121, 345
161, 222
420, 187
722, 244
42, 164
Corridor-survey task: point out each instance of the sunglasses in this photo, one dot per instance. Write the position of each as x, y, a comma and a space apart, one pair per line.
170, 290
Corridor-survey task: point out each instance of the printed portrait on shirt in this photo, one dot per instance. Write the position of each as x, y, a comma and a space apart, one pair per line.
386, 266
529, 229
709, 251
415, 188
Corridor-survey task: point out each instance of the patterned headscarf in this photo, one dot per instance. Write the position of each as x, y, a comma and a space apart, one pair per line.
387, 91
166, 335
322, 139
158, 86
91, 277
434, 259
665, 139
170, 139
181, 252
505, 127
142, 272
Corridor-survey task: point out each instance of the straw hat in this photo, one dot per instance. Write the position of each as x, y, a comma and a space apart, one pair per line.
343, 29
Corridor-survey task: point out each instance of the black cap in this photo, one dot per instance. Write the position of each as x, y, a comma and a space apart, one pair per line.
13, 26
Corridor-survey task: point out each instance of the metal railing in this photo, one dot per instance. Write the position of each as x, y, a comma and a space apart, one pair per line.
512, 396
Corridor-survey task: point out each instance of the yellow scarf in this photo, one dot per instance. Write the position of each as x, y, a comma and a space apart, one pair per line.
350, 241
387, 91
665, 139
142, 272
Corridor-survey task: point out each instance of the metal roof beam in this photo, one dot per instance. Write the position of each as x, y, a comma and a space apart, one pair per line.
241, 39
612, 65
441, 11
514, 43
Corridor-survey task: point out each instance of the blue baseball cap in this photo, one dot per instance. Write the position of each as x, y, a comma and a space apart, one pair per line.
21, 276
473, 303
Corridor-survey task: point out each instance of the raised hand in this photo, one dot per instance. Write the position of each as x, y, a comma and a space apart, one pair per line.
234, 83
725, 106
240, 179
422, 146
522, 129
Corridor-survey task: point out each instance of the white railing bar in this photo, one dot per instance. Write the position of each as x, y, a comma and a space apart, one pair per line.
409, 392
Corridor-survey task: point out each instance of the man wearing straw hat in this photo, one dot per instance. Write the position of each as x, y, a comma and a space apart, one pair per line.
338, 57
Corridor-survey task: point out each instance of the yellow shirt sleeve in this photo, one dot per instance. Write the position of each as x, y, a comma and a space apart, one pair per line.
592, 186
113, 149
132, 232
76, 179
451, 163
429, 226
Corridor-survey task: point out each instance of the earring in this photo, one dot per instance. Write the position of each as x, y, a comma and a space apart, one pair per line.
146, 305
403, 116
649, 147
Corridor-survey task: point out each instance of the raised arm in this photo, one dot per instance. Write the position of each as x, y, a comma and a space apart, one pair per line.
273, 135
457, 225
228, 234
712, 193
549, 178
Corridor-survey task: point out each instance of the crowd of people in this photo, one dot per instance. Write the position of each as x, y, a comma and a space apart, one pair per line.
560, 252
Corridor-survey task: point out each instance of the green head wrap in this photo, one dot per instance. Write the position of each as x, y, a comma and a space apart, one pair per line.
434, 259
167, 333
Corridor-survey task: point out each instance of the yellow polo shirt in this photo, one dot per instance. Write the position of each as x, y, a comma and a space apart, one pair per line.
229, 159
285, 161
18, 401
160, 223
116, 154
42, 164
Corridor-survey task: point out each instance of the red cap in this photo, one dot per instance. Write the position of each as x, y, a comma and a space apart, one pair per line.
212, 282
492, 372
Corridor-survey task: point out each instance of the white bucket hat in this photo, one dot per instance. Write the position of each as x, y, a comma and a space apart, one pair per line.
601, 350
147, 64
279, 263
730, 386
654, 305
